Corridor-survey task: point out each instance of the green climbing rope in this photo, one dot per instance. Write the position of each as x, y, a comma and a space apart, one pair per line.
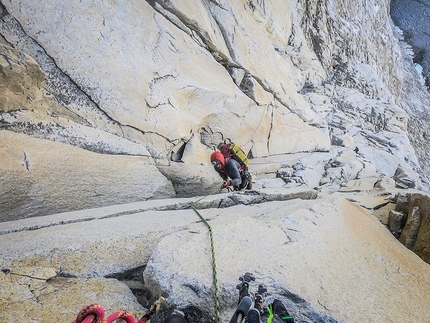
215, 279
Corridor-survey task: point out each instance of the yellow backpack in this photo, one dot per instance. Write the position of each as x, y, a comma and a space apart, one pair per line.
231, 150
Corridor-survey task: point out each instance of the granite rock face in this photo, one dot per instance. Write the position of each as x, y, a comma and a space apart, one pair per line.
164, 82
326, 257
411, 17
415, 231
110, 110
41, 177
26, 291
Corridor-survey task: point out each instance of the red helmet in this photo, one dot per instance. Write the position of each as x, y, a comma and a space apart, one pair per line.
216, 155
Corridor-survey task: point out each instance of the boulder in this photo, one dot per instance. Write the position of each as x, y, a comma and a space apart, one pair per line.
422, 243
39, 295
192, 180
272, 183
416, 232
403, 180
412, 226
289, 259
396, 222
41, 177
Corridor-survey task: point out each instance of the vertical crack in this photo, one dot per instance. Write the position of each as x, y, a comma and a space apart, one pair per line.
64, 90
272, 115
61, 74
26, 161
58, 83
226, 40
189, 27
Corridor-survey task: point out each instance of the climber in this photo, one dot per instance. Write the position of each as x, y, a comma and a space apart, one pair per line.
231, 172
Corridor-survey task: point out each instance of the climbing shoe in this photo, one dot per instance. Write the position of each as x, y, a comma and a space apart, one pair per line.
249, 186
249, 178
